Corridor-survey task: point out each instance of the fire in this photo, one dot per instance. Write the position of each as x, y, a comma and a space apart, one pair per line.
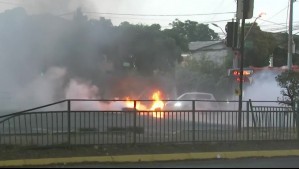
156, 105
130, 104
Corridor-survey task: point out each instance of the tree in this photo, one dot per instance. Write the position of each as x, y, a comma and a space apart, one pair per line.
259, 46
289, 82
280, 53
203, 75
190, 31
145, 49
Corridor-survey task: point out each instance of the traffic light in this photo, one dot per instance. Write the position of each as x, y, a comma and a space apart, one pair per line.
231, 29
237, 92
236, 72
245, 79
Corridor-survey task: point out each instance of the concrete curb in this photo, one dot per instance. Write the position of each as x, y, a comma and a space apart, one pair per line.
149, 157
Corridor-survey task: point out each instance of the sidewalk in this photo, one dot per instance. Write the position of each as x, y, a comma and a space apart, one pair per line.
146, 153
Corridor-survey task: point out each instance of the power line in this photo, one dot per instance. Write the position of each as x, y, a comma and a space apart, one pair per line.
217, 7
206, 22
281, 28
273, 22
144, 18
279, 12
161, 15
273, 17
129, 18
276, 24
100, 13
216, 21
158, 19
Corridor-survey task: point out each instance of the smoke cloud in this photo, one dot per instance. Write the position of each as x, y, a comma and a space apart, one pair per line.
38, 60
78, 89
46, 58
263, 88
40, 91
56, 7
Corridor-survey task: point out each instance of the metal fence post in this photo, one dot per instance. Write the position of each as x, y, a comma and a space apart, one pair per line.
69, 120
252, 114
193, 120
247, 120
240, 117
135, 119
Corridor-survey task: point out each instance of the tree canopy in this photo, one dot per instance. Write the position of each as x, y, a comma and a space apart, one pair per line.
289, 82
259, 45
190, 31
203, 75
146, 48
280, 53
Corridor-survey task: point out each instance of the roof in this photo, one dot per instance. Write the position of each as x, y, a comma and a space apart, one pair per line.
202, 44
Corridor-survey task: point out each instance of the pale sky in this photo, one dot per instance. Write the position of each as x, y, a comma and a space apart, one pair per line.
274, 20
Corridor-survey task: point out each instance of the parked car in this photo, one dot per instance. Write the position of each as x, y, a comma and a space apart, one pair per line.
203, 101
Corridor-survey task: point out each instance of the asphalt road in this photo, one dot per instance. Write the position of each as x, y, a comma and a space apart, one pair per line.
277, 162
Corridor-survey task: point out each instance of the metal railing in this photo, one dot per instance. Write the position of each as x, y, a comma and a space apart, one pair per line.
132, 126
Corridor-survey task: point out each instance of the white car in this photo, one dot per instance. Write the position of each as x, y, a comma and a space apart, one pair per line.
203, 101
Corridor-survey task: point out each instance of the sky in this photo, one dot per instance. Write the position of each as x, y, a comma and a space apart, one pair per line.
274, 19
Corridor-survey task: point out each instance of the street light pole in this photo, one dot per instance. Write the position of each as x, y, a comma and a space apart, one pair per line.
260, 15
219, 27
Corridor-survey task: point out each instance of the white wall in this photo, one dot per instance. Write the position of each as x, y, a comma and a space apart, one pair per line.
216, 53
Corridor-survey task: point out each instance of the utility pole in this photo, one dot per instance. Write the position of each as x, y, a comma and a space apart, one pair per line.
290, 42
244, 11
241, 68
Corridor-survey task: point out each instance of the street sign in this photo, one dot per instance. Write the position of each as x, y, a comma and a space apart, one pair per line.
237, 92
248, 9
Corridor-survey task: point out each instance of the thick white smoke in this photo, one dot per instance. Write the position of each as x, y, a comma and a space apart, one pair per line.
49, 88
79, 89
263, 88
40, 91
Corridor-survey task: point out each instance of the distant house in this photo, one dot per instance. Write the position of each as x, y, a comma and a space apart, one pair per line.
212, 50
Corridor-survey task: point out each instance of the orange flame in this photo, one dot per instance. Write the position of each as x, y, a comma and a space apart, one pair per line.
156, 105
130, 104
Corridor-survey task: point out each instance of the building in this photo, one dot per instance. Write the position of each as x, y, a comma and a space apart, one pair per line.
212, 50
